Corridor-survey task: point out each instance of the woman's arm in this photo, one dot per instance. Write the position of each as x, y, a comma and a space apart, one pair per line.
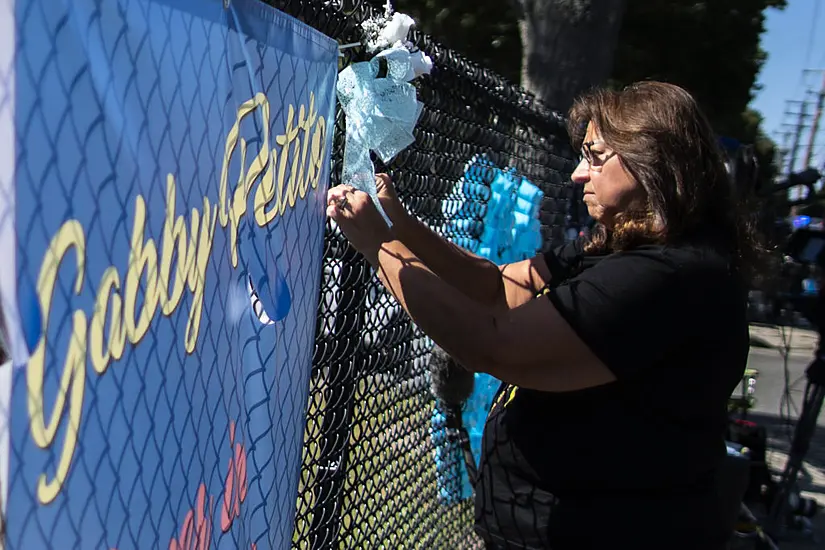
507, 286
481, 280
531, 346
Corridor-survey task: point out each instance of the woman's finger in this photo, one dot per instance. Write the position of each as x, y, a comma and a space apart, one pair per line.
384, 178
341, 210
336, 194
346, 203
340, 189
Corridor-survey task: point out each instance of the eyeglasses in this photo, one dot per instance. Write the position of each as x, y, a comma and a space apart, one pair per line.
597, 160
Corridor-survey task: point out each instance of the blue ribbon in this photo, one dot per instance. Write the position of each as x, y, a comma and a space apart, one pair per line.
381, 114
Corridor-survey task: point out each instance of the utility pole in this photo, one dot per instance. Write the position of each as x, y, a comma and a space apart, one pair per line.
800, 126
796, 131
815, 126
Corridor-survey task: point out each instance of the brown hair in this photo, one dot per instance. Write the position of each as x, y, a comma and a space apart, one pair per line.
666, 144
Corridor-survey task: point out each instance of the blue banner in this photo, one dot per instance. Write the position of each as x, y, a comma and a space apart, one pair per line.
171, 165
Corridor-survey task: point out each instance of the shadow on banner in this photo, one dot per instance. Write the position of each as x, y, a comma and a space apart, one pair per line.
171, 160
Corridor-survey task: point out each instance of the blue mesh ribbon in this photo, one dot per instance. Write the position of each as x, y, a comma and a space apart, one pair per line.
381, 114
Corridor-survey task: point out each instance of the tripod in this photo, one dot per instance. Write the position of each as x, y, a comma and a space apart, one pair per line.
805, 429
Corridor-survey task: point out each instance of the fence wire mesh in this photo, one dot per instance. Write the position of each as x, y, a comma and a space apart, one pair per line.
368, 477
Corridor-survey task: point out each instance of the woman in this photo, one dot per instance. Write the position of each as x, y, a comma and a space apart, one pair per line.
617, 355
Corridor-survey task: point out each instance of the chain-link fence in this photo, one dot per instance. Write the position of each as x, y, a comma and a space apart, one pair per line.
369, 477
220, 428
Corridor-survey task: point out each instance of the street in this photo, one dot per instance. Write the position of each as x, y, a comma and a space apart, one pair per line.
770, 386
771, 411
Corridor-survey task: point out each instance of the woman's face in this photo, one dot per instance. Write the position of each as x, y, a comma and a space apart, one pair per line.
608, 187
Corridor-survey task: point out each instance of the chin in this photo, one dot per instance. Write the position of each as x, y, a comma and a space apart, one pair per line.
596, 213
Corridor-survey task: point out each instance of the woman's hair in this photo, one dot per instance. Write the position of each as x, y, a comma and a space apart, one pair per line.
667, 145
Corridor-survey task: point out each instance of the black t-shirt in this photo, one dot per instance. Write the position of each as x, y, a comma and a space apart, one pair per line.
630, 464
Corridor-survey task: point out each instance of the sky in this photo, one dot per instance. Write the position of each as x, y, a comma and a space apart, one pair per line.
794, 42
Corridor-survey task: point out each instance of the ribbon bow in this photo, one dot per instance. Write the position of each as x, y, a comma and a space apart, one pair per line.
380, 112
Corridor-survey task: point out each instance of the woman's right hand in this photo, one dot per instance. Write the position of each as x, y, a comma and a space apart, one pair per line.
389, 199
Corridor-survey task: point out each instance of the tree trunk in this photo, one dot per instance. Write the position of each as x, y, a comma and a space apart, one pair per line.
567, 47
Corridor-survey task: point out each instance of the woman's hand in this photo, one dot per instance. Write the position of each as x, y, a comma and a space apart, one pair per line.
389, 199
357, 217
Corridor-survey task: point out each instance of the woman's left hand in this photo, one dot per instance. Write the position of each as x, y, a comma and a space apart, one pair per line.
359, 220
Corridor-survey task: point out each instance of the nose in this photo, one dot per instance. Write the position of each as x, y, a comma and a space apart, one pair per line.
581, 174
